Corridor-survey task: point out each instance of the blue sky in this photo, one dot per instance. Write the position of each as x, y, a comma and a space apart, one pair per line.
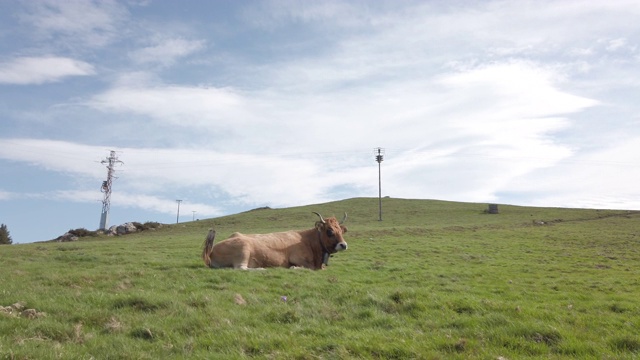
233, 105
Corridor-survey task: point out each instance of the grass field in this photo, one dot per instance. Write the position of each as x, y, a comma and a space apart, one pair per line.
433, 280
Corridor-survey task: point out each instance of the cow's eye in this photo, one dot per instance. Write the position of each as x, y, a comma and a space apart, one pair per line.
330, 232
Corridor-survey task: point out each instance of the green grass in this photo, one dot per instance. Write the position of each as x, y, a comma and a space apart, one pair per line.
433, 280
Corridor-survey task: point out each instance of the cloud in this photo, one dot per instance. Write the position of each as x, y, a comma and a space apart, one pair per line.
39, 70
58, 156
272, 14
4, 195
603, 178
182, 105
85, 22
246, 178
161, 205
512, 104
167, 51
616, 44
133, 200
513, 91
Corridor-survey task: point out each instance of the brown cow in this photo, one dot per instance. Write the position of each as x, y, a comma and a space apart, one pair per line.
305, 248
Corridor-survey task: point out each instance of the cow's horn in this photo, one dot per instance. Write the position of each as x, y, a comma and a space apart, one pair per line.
321, 219
344, 218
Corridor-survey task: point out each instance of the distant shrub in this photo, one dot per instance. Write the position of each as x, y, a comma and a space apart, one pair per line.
152, 225
5, 237
147, 225
82, 232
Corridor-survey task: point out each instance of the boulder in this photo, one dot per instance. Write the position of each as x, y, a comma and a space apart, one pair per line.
126, 228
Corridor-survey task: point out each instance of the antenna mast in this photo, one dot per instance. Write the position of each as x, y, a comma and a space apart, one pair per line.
379, 153
106, 188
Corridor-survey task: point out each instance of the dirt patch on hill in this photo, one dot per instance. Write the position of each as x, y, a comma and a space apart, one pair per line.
19, 309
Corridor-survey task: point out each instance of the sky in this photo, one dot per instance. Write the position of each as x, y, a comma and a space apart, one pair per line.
233, 105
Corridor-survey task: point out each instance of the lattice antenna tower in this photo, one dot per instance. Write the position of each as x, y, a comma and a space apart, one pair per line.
111, 161
379, 154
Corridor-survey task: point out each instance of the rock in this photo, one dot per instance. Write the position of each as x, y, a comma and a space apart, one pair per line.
6, 310
30, 313
126, 228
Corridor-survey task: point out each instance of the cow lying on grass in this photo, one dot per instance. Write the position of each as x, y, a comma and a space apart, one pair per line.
305, 248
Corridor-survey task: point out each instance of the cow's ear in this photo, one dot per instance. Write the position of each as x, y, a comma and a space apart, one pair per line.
319, 225
344, 228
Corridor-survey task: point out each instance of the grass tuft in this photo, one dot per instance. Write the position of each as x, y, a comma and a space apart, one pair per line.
626, 344
138, 303
143, 334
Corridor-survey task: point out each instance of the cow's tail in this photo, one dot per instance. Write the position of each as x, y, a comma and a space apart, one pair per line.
207, 247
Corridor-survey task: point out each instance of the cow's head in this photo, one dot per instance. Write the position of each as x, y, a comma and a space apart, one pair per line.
331, 231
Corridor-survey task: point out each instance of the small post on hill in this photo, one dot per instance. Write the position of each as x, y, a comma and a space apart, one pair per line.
379, 153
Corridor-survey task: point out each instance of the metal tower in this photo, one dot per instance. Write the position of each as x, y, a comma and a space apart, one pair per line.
106, 188
379, 153
178, 215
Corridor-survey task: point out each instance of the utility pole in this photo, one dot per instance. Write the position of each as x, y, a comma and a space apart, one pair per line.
106, 188
178, 216
379, 153
194, 215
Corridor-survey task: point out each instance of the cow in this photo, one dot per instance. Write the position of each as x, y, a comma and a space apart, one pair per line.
295, 248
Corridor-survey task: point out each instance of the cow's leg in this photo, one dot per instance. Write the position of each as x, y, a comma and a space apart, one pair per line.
295, 267
245, 267
246, 260
241, 266
242, 261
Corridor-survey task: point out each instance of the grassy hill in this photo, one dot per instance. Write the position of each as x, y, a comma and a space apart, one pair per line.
433, 280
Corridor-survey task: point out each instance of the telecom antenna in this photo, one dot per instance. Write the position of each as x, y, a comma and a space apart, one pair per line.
379, 153
178, 215
106, 188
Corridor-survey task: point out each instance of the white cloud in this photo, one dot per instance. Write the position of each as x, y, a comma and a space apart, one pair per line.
167, 51
4, 195
272, 14
90, 23
59, 156
162, 205
602, 178
246, 178
132, 200
502, 98
616, 44
180, 105
39, 70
